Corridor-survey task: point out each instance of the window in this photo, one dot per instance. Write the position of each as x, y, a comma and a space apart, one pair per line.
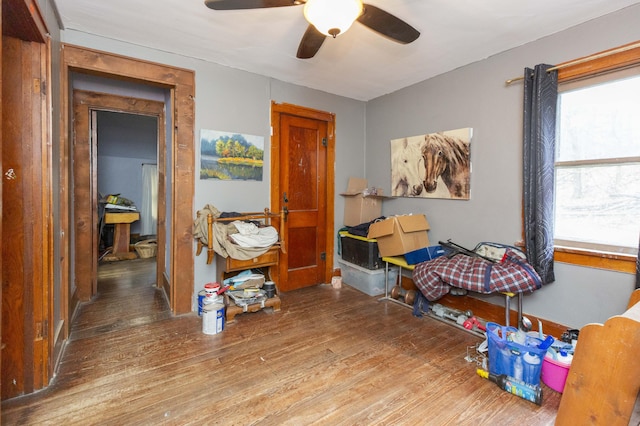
597, 216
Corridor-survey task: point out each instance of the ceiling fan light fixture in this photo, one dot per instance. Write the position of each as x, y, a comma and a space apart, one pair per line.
332, 17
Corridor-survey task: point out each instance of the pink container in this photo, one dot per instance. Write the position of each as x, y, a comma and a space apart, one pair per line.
554, 373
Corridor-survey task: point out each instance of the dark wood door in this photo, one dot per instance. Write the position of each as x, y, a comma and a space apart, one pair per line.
304, 147
26, 219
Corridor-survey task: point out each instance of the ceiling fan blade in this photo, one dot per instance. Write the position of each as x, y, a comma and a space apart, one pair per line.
310, 44
249, 4
387, 24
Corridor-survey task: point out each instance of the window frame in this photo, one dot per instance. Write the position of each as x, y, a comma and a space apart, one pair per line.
616, 59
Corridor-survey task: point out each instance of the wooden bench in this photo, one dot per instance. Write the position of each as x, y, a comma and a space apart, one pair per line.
604, 378
401, 263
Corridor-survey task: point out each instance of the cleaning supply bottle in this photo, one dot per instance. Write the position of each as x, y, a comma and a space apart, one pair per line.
517, 387
518, 369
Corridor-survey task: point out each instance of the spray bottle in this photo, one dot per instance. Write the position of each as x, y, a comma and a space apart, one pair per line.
524, 390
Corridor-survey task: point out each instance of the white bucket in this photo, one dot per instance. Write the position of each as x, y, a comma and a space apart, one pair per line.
213, 318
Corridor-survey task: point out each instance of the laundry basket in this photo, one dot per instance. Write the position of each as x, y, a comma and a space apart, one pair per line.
146, 248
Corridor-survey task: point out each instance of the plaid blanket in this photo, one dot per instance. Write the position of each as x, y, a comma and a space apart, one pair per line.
435, 277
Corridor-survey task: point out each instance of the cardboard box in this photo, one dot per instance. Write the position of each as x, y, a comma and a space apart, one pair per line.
359, 205
398, 235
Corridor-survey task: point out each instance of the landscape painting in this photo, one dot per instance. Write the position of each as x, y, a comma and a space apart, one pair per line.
230, 156
434, 165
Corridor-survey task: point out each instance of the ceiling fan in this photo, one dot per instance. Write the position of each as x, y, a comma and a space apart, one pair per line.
327, 21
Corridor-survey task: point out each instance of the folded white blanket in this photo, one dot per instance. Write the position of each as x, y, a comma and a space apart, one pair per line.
250, 235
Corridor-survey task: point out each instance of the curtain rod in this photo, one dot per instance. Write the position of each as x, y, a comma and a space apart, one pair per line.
585, 59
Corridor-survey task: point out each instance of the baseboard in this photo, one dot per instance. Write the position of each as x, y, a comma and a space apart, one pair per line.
495, 313
73, 307
165, 285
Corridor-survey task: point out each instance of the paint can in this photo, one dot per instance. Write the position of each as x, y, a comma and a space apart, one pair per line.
201, 296
211, 289
213, 318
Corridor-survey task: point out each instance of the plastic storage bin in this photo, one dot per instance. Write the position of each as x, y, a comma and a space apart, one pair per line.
520, 361
360, 251
367, 281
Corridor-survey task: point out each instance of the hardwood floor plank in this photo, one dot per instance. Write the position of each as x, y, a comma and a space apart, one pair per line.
329, 357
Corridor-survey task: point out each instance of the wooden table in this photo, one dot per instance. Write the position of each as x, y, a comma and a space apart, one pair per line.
122, 233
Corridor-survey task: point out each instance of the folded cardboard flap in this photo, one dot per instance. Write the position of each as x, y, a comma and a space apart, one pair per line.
398, 235
355, 186
381, 229
413, 223
360, 186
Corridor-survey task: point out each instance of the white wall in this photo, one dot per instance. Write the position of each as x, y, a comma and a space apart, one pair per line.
476, 96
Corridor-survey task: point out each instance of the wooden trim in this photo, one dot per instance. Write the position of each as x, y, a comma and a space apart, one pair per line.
331, 187
599, 65
181, 84
67, 288
85, 198
24, 21
593, 259
165, 284
1, 207
47, 231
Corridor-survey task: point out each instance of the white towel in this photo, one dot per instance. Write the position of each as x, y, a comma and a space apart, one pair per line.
249, 235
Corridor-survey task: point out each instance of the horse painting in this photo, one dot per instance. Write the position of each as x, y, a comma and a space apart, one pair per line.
447, 157
407, 167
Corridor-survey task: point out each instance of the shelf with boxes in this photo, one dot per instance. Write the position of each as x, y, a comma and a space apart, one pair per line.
361, 203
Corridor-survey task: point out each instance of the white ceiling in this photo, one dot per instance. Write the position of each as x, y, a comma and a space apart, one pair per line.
360, 64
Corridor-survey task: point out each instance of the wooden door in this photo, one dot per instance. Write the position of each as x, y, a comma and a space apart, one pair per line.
302, 187
26, 219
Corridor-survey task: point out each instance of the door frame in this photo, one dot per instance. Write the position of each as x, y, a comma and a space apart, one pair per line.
277, 110
178, 282
85, 172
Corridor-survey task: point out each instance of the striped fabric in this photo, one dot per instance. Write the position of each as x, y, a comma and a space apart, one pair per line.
513, 274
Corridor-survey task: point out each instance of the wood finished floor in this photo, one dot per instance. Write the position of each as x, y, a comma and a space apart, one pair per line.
329, 357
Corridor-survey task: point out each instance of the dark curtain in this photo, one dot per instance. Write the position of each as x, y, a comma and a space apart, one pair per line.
540, 105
